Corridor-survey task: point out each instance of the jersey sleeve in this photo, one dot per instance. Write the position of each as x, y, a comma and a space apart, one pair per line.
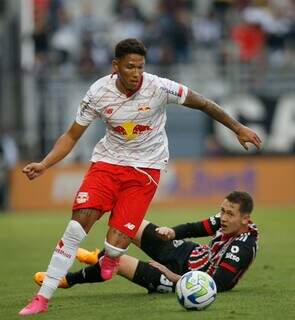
86, 112
174, 92
204, 228
234, 263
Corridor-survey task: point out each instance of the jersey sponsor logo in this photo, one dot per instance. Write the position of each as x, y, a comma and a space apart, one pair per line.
174, 92
82, 197
234, 249
231, 256
177, 243
131, 129
129, 226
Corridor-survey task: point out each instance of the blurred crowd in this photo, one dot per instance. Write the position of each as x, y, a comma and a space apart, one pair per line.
242, 30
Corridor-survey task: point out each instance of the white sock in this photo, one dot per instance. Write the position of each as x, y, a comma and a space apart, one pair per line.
112, 251
63, 257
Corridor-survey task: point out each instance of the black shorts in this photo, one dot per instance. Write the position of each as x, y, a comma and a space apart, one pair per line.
173, 254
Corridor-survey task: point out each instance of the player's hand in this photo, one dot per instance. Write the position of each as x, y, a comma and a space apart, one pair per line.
165, 233
171, 276
34, 170
245, 135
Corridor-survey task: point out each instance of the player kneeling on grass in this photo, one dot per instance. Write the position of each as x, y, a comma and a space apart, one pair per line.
227, 256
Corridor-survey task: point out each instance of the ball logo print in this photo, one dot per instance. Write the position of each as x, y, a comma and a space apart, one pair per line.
196, 290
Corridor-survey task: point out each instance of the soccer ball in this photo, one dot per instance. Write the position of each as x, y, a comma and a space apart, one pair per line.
196, 290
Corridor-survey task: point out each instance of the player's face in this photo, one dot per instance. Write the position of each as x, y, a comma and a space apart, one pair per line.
232, 221
129, 69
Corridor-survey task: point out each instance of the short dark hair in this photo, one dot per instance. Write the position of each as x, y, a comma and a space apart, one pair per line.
243, 199
128, 46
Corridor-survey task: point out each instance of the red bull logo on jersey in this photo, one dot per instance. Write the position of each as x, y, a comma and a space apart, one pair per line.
131, 130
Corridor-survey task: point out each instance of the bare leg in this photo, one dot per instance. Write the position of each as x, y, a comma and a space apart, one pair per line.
86, 217
115, 246
127, 266
137, 239
117, 239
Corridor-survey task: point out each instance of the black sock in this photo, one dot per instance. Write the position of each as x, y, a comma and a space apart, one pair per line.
89, 274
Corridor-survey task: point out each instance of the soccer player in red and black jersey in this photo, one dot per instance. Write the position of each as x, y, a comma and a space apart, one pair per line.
228, 255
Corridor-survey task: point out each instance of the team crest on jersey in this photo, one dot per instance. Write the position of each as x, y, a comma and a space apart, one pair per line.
130, 130
82, 197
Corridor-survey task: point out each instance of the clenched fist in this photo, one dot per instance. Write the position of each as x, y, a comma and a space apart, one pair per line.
166, 233
34, 170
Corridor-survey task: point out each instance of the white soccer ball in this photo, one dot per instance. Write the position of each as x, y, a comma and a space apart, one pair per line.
196, 290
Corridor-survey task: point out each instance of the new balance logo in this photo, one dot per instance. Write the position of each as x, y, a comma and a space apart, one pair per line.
231, 256
129, 226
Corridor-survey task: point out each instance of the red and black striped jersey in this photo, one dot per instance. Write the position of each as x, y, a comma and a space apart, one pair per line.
226, 257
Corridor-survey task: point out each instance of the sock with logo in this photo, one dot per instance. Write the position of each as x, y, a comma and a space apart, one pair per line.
62, 258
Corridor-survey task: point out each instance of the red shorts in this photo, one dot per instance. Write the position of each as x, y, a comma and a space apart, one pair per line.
123, 190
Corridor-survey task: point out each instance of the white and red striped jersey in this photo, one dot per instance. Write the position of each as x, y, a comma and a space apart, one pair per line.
135, 124
227, 257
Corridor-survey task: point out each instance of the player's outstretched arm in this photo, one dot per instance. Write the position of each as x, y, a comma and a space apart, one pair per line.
244, 134
171, 276
62, 147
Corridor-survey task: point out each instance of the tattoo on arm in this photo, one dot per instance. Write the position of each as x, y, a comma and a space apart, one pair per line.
197, 101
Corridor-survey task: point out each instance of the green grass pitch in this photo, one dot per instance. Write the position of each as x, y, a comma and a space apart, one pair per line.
267, 291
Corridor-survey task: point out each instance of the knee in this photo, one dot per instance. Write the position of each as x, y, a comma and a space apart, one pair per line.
86, 217
74, 232
137, 239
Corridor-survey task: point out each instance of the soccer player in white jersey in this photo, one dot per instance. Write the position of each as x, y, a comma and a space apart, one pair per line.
126, 162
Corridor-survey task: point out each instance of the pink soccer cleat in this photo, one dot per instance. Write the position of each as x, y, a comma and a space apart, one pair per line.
108, 266
37, 305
